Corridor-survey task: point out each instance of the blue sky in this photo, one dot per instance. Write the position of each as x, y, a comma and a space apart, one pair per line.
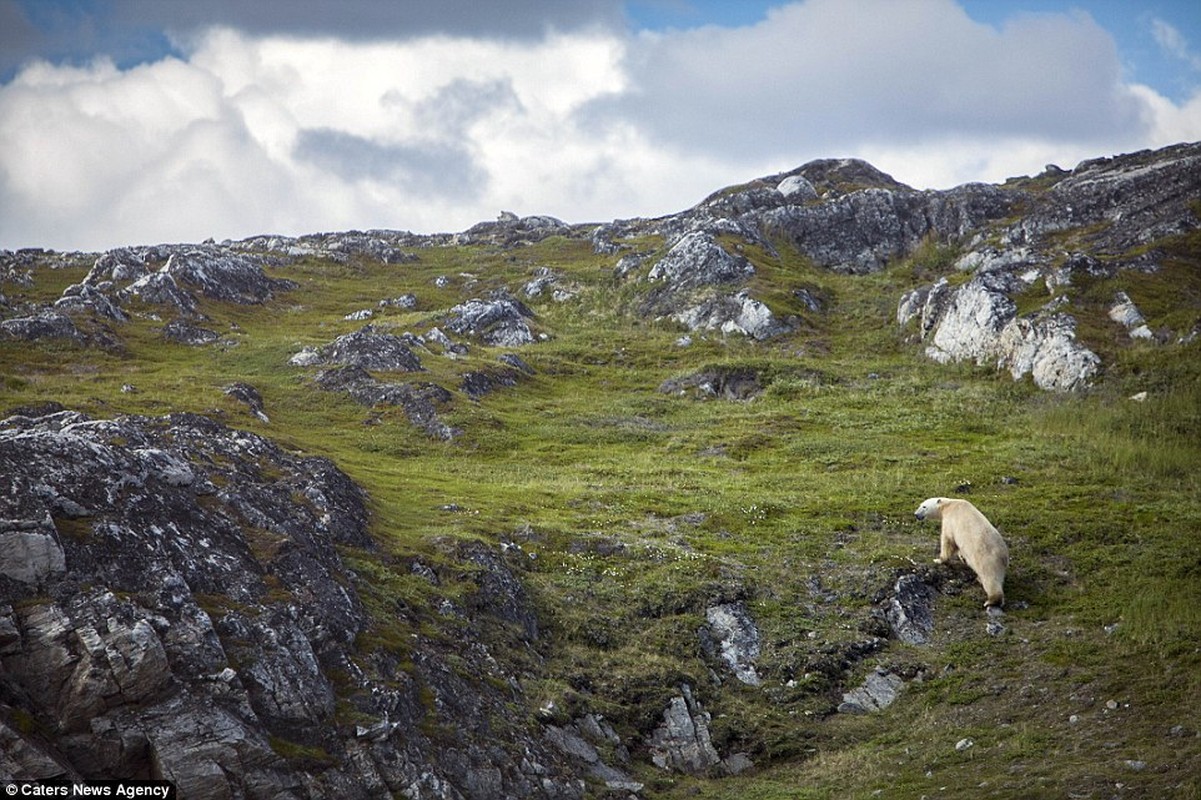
142, 121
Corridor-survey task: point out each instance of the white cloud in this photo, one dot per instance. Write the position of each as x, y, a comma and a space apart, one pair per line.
282, 134
1173, 42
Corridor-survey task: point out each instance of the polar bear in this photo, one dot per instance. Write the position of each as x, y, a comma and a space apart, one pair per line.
968, 533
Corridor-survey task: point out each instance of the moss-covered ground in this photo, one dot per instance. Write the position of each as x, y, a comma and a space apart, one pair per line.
632, 509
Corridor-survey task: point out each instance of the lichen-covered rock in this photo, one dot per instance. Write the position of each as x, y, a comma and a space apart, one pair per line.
85, 297
500, 321
184, 332
737, 636
370, 347
420, 401
698, 260
1112, 208
683, 743
44, 325
866, 230
159, 288
186, 613
221, 275
733, 314
1045, 348
879, 690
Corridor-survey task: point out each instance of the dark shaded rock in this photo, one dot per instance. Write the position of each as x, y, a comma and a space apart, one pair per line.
183, 332
420, 401
45, 325
866, 230
717, 382
910, 609
478, 383
248, 395
1129, 199
498, 595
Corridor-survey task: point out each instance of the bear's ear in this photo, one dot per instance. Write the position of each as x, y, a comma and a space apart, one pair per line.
938, 502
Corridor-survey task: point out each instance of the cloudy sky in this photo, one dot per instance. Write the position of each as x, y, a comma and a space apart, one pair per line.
148, 121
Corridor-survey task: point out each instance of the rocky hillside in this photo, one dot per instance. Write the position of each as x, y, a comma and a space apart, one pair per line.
623, 510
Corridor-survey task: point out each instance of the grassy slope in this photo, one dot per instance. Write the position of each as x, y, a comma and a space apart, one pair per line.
635, 509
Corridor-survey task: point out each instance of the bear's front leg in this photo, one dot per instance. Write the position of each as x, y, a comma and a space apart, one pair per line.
946, 549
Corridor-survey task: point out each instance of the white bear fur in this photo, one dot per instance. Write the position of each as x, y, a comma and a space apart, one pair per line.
968, 534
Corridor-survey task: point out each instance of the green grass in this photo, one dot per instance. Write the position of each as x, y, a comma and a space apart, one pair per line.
636, 509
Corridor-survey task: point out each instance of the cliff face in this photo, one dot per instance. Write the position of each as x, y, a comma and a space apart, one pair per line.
629, 501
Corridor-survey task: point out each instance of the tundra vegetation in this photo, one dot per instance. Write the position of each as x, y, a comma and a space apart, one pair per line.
627, 510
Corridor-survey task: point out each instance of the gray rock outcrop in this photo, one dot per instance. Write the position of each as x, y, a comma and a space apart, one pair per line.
682, 743
733, 629
978, 322
420, 402
174, 603
370, 347
909, 610
501, 321
692, 283
1112, 208
44, 325
879, 690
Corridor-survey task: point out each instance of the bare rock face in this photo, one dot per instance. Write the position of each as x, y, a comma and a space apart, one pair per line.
120, 276
698, 260
867, 229
221, 275
174, 604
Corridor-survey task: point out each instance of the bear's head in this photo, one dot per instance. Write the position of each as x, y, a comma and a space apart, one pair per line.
930, 508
